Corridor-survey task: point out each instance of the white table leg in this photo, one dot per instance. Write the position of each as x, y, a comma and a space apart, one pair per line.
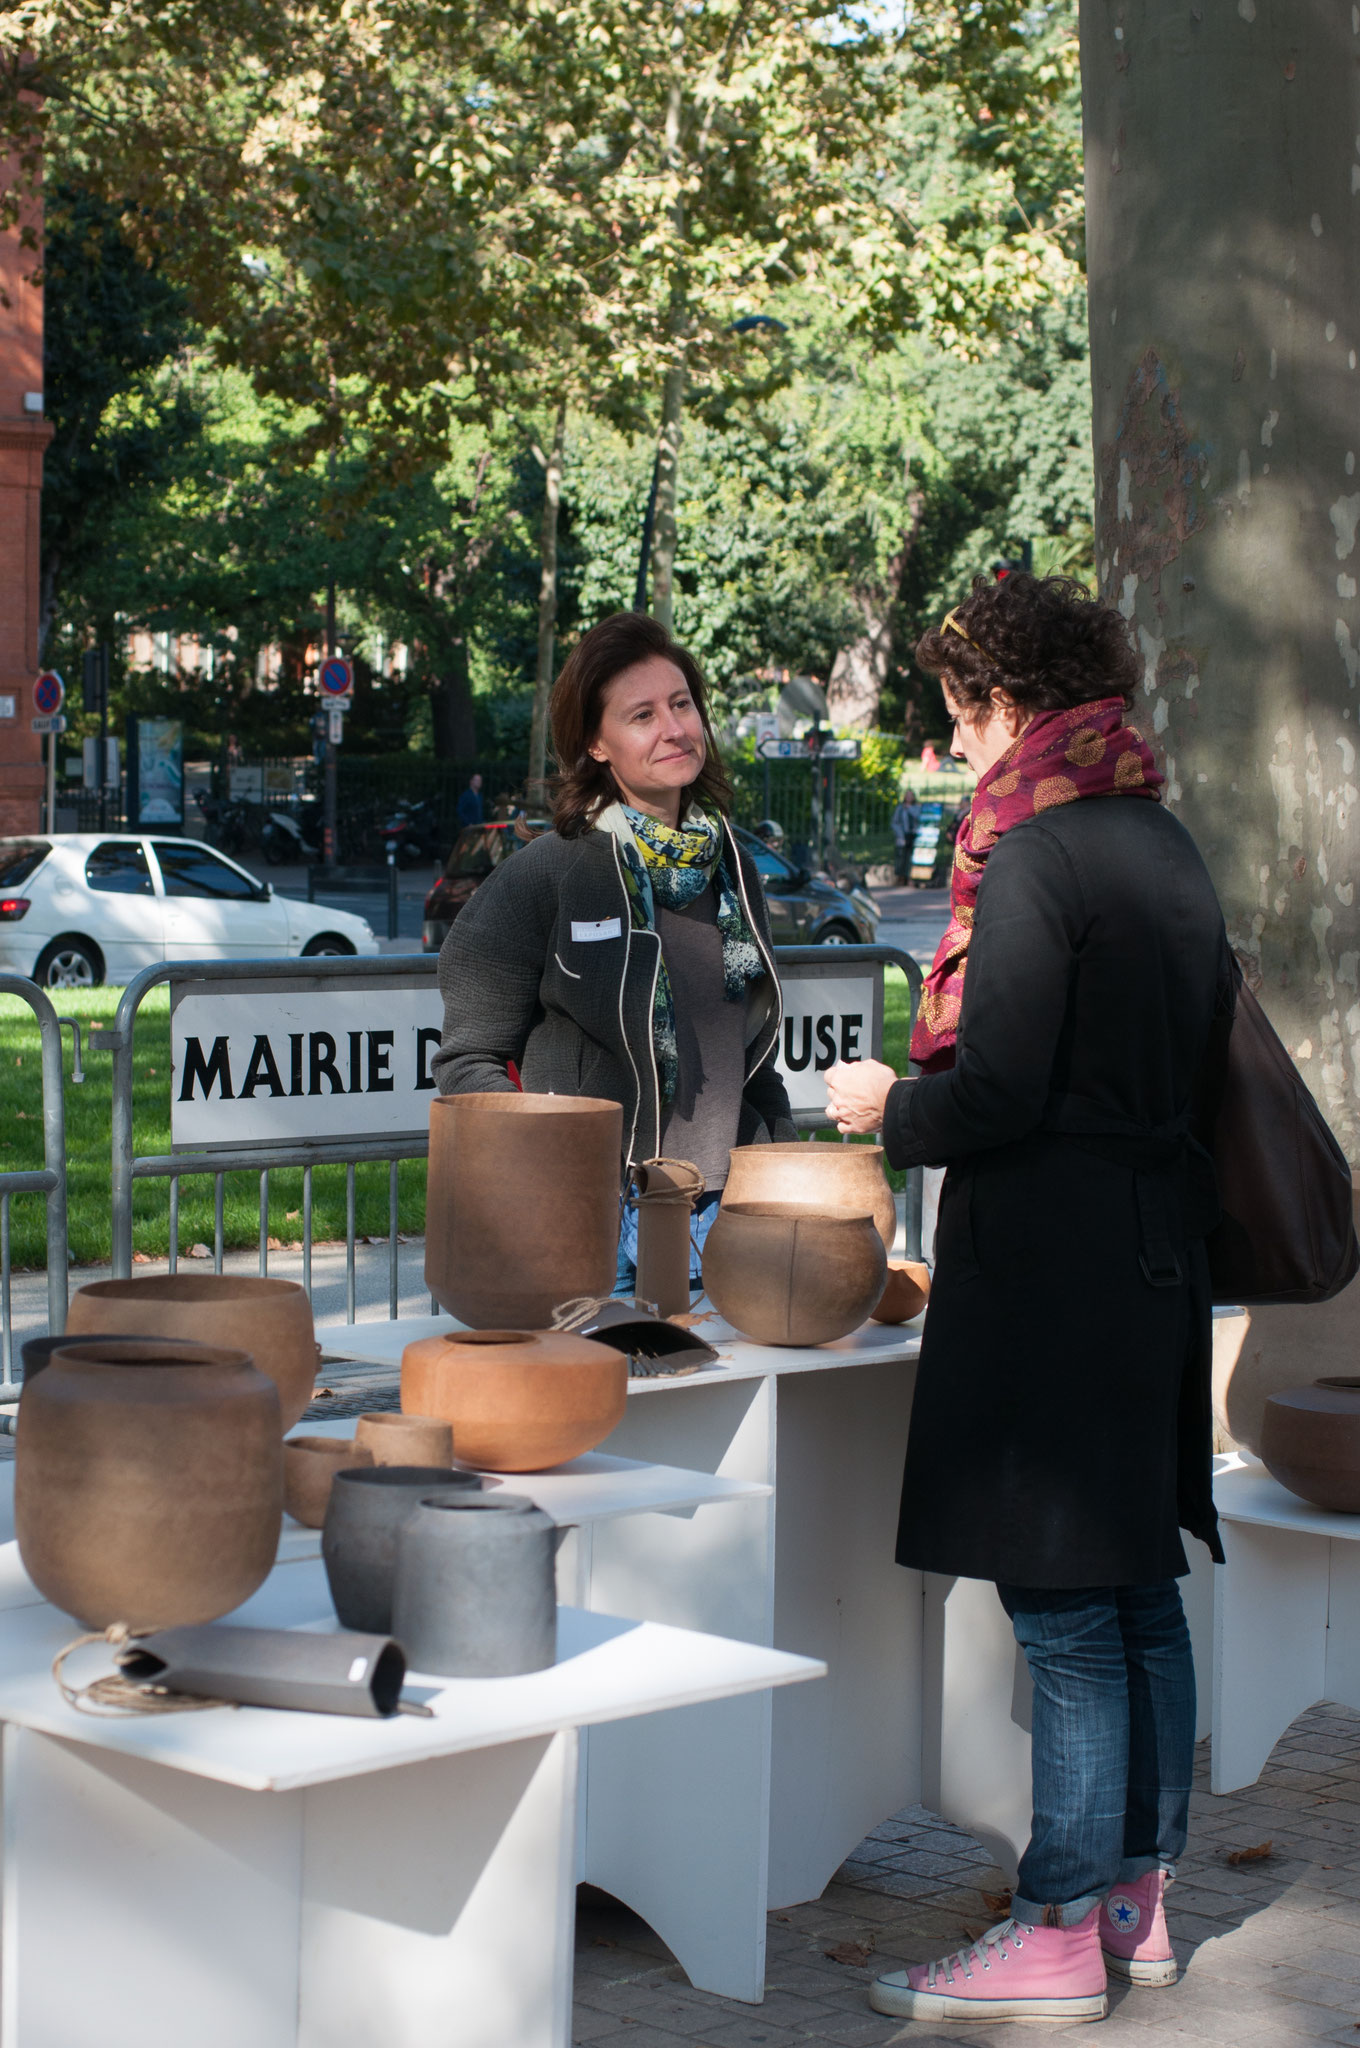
848, 1753
141, 1902
438, 1903
978, 1698
1270, 1644
1342, 1679
1198, 1595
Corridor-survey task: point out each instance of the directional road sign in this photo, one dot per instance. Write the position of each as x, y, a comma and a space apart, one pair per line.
335, 732
337, 676
49, 693
840, 750
55, 723
784, 750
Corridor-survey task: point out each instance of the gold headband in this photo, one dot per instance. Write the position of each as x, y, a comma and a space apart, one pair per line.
951, 625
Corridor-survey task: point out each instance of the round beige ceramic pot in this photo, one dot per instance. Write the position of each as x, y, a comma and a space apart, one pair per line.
1310, 1442
782, 1274
148, 1482
405, 1439
310, 1463
518, 1400
522, 1205
816, 1176
905, 1293
270, 1320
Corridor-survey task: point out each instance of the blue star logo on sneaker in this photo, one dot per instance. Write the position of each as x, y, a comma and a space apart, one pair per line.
1124, 1913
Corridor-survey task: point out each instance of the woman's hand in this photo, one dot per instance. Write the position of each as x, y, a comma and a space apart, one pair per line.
857, 1093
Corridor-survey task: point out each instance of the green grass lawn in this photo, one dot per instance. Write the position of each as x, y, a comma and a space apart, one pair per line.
88, 1157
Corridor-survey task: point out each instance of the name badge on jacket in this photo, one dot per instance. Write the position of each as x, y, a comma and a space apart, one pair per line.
601, 928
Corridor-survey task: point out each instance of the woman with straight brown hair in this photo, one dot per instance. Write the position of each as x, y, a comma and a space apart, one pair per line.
627, 953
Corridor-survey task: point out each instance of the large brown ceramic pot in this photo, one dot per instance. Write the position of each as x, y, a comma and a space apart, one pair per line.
522, 1205
519, 1400
1310, 1442
149, 1482
816, 1176
782, 1274
270, 1320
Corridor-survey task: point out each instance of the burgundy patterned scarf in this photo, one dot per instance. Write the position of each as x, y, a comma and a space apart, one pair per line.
1059, 757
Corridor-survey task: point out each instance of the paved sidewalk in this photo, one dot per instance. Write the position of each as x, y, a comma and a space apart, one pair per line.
1269, 1949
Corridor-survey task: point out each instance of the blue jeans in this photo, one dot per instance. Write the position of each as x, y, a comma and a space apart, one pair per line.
1114, 1741
625, 1280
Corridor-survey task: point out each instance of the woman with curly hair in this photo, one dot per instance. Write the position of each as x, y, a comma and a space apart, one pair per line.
1060, 1436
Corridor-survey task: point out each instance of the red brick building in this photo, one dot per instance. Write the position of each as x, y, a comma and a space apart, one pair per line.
24, 434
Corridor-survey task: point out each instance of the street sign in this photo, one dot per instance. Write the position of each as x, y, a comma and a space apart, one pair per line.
840, 750
49, 693
57, 724
337, 676
336, 732
783, 750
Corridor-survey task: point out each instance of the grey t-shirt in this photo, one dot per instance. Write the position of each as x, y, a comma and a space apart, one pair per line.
710, 1034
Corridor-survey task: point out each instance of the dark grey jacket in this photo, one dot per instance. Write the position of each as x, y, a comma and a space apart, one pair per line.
543, 967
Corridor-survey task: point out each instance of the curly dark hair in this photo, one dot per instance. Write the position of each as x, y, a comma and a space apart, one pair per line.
584, 784
1043, 639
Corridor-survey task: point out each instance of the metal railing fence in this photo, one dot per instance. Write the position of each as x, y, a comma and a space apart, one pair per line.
48, 1181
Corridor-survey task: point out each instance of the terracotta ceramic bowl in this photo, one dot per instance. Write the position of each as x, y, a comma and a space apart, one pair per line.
518, 1400
906, 1293
309, 1465
782, 1274
405, 1439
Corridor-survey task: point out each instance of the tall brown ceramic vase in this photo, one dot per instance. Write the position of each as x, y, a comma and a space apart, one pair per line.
270, 1320
522, 1205
148, 1482
816, 1176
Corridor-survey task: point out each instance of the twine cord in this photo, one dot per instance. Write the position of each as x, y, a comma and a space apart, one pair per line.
116, 1696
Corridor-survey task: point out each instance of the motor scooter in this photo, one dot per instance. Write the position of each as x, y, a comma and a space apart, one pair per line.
293, 832
413, 833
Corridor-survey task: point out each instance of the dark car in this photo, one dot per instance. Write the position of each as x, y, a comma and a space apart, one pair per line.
805, 909
477, 852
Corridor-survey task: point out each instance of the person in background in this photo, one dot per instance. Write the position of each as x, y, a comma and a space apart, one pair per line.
1071, 1040
627, 953
470, 803
905, 819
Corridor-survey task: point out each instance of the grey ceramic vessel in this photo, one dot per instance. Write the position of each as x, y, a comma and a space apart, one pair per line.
476, 1593
273, 1667
359, 1536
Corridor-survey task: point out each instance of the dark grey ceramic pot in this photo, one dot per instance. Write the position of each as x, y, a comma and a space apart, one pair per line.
359, 1536
475, 1593
36, 1352
272, 1667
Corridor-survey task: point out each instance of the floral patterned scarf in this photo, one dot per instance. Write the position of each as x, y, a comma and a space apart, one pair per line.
673, 867
1059, 757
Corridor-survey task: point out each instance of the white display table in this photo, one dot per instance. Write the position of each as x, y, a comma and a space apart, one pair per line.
1287, 1620
311, 1881
808, 1567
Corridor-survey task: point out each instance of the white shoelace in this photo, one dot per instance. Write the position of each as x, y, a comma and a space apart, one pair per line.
962, 1963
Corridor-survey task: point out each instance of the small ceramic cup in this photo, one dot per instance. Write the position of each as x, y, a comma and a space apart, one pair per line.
405, 1439
310, 1463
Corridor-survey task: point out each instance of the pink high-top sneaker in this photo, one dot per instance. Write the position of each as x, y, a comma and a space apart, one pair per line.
1133, 1932
1016, 1972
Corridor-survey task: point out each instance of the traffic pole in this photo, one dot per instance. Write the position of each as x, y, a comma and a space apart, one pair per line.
331, 803
52, 738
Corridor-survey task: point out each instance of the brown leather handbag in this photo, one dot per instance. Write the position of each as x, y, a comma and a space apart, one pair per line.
1287, 1232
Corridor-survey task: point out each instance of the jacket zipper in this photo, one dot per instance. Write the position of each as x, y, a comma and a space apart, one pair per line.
768, 957
623, 1031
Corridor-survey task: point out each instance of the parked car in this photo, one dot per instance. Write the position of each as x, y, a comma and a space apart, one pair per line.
81, 908
805, 909
477, 852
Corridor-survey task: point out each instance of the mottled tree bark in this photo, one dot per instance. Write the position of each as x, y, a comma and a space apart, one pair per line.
547, 609
667, 489
1223, 195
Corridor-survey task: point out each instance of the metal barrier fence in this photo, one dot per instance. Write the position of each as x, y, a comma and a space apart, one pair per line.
336, 978
48, 1181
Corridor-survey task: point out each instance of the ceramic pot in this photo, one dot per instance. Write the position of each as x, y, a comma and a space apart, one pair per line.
905, 1292
405, 1439
36, 1352
272, 1667
518, 1400
782, 1274
522, 1205
475, 1593
271, 1320
310, 1463
149, 1482
1310, 1442
359, 1539
842, 1178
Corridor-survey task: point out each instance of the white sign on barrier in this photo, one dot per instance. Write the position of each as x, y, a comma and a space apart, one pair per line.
829, 1015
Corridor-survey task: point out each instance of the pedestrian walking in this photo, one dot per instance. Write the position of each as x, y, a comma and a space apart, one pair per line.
627, 953
1073, 1023
470, 802
904, 821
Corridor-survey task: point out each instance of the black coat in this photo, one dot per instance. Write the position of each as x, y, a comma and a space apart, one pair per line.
1061, 1434
543, 967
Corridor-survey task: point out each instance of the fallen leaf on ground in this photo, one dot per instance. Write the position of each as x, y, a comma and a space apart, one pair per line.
141, 1258
688, 1319
323, 1393
198, 1251
1256, 1855
22, 1114
782, 1916
972, 1933
274, 1244
602, 1941
291, 1216
855, 1953
998, 1902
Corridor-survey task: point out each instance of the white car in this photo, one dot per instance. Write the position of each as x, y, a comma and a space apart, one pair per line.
81, 908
